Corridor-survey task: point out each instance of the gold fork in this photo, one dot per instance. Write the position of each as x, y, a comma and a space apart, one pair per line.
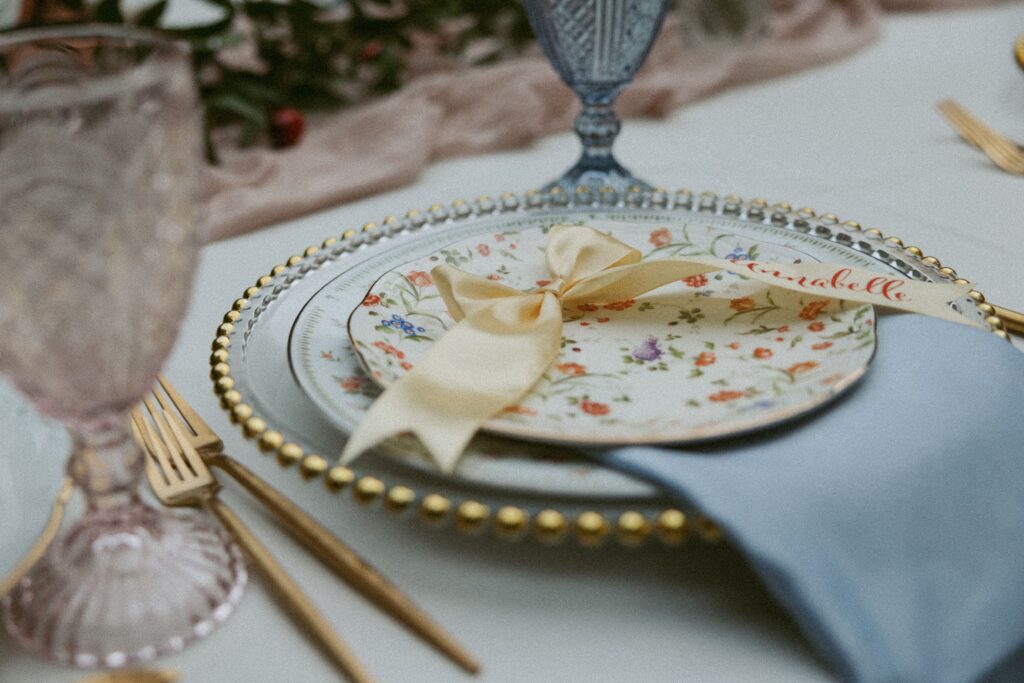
44, 540
327, 547
1002, 151
178, 476
1012, 320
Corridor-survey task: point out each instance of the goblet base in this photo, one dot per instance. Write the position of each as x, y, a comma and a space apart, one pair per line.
124, 585
597, 176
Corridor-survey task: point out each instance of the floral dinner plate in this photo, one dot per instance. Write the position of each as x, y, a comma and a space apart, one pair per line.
706, 357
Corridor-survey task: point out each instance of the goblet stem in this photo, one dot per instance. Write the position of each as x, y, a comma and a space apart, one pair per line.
597, 126
106, 463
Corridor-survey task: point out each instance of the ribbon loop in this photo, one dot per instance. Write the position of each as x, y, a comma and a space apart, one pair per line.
464, 293
575, 252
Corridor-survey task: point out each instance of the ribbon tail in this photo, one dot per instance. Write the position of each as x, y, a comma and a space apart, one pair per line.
487, 362
824, 280
399, 410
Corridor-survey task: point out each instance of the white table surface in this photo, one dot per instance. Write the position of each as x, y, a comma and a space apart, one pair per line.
860, 138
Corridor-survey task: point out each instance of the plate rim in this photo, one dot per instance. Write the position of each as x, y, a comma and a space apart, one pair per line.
588, 527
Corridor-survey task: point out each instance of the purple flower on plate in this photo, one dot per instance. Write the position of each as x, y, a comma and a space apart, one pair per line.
648, 350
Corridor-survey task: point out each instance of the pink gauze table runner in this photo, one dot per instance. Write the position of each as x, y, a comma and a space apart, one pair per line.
387, 143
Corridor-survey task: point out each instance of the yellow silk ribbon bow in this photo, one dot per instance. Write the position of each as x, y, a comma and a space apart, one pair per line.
459, 385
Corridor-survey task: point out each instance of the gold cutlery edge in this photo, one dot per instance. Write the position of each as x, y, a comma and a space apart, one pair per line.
44, 540
1002, 151
330, 550
1012, 320
337, 556
288, 592
133, 676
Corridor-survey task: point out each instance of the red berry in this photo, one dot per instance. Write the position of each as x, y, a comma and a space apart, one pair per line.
286, 127
370, 50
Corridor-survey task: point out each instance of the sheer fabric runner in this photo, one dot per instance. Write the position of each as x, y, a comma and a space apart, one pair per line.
441, 114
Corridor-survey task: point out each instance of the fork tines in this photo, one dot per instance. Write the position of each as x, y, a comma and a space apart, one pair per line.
1002, 151
181, 469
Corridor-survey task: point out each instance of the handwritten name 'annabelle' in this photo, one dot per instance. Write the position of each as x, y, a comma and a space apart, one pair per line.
840, 280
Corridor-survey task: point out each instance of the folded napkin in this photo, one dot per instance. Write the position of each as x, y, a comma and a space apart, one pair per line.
891, 524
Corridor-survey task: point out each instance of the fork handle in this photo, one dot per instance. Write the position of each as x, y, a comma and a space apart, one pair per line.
288, 592
1012, 320
38, 549
346, 563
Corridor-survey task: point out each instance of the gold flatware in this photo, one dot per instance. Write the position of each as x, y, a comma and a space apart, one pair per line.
133, 676
327, 547
1018, 50
44, 540
1003, 152
178, 476
1012, 320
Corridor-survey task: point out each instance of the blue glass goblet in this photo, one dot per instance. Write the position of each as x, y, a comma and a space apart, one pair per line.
596, 46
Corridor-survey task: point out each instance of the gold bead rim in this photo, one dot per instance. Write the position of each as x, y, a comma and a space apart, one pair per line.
338, 477
368, 489
289, 454
313, 466
435, 507
400, 498
671, 526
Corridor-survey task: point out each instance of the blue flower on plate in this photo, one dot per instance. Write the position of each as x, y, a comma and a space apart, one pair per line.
736, 254
400, 324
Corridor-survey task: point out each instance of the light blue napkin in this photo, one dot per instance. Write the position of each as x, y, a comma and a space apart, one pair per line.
890, 524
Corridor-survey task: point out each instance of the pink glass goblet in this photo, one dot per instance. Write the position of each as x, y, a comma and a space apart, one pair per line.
100, 148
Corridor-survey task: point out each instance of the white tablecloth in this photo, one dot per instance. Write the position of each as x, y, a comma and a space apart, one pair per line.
860, 139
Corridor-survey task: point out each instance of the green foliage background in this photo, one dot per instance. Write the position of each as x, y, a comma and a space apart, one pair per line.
315, 57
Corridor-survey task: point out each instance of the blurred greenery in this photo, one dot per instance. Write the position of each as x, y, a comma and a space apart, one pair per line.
262, 55
259, 56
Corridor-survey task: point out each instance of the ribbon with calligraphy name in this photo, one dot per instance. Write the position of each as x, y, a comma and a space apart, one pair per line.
457, 386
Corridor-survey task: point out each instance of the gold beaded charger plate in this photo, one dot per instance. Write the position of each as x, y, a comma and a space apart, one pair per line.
31, 472
514, 480
705, 357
